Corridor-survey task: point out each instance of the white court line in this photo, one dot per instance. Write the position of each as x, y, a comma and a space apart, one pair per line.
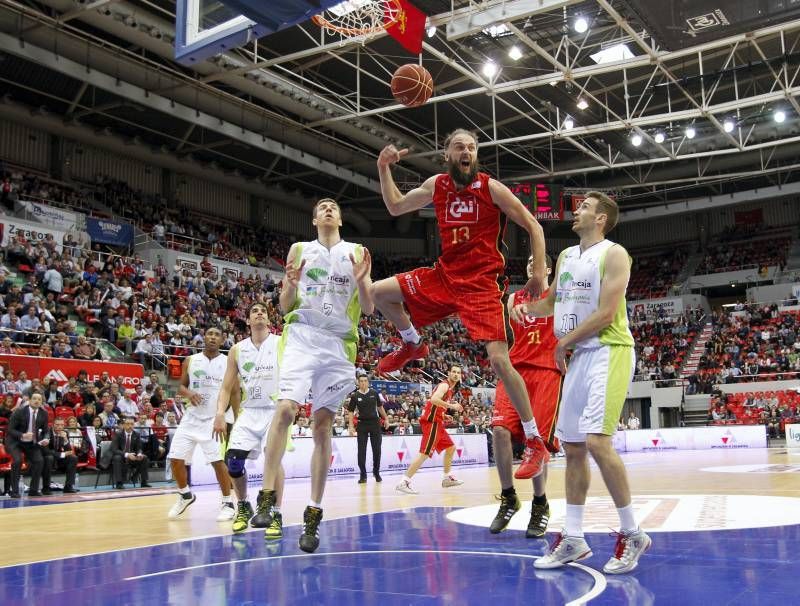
598, 588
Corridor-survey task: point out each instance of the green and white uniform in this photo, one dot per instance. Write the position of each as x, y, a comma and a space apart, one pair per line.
320, 333
258, 380
601, 367
197, 425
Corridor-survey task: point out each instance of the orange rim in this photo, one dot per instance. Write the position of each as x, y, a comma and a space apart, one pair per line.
356, 31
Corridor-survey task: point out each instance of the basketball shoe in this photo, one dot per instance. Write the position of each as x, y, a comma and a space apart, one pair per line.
264, 504
627, 551
397, 359
181, 505
309, 540
450, 481
275, 529
226, 512
565, 549
405, 487
537, 526
244, 512
509, 505
533, 459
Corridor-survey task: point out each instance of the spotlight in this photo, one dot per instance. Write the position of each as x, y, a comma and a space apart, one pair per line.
779, 116
690, 132
580, 25
582, 104
431, 31
514, 53
569, 123
636, 139
490, 69
728, 126
659, 138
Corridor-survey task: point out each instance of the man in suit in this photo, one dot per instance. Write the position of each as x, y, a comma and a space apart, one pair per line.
59, 453
126, 447
27, 434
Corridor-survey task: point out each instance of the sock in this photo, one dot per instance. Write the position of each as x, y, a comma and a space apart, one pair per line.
508, 492
542, 500
185, 490
276, 509
445, 476
626, 522
315, 504
227, 499
407, 479
410, 335
574, 523
530, 429
244, 500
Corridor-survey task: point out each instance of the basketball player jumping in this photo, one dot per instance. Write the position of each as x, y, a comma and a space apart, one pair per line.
468, 278
434, 435
252, 371
590, 318
532, 356
201, 379
325, 290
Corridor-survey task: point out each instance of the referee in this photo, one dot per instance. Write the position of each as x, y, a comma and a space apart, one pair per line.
365, 400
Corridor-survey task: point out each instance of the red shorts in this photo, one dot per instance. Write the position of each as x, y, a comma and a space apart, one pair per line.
430, 295
544, 390
434, 438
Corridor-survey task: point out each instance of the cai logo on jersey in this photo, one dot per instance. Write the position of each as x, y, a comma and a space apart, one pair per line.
461, 208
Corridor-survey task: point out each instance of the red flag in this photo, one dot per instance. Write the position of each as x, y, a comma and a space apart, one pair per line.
409, 28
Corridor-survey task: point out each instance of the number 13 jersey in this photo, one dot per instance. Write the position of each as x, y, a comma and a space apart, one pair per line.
578, 296
258, 371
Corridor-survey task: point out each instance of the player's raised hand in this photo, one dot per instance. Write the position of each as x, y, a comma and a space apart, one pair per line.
362, 268
293, 273
518, 313
537, 284
390, 155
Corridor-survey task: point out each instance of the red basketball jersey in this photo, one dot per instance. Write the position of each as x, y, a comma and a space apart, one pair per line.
534, 340
435, 414
471, 228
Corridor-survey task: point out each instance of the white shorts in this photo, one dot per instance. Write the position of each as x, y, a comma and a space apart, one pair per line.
250, 431
194, 432
594, 391
312, 359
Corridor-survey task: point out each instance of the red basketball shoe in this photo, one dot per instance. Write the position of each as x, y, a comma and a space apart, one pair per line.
533, 459
400, 357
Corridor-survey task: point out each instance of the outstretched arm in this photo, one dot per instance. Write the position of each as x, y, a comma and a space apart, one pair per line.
290, 280
397, 203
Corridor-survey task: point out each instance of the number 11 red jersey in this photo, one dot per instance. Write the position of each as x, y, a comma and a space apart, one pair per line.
534, 340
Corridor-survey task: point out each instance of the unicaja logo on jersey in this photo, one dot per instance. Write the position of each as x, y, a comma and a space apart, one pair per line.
564, 278
248, 366
316, 274
462, 208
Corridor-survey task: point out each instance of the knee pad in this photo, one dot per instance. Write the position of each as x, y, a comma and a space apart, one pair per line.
235, 460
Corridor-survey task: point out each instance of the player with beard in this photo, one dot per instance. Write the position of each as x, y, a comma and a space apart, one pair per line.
469, 278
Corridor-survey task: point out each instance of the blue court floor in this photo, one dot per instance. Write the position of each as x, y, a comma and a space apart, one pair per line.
417, 556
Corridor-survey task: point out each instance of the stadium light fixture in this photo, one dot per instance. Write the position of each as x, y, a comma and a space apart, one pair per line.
514, 53
636, 139
659, 137
690, 132
490, 69
580, 25
569, 123
582, 103
779, 116
728, 125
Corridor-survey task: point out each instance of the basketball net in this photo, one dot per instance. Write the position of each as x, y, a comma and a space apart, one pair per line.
357, 18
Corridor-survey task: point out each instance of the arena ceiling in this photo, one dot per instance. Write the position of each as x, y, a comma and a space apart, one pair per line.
307, 114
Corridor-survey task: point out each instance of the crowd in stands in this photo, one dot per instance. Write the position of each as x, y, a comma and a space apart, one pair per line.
654, 274
662, 342
749, 343
737, 249
774, 409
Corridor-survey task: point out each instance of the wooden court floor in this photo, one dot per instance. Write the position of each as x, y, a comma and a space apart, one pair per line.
88, 525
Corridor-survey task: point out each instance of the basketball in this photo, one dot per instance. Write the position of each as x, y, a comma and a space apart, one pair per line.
412, 85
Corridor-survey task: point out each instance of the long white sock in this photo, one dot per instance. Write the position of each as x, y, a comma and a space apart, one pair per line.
410, 335
227, 499
530, 429
627, 523
574, 523
315, 504
184, 490
407, 479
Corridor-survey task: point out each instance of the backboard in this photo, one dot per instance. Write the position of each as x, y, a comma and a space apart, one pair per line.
205, 28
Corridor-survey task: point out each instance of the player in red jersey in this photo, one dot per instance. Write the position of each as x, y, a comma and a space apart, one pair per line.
468, 279
532, 356
434, 436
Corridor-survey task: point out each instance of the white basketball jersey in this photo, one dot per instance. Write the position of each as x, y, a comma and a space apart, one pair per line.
258, 371
327, 295
205, 378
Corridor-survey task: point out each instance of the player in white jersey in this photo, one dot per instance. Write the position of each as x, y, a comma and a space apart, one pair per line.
201, 379
590, 317
324, 292
252, 371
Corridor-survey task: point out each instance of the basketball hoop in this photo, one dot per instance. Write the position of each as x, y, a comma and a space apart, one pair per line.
355, 18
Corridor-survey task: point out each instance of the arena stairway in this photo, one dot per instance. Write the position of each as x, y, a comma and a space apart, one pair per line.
697, 351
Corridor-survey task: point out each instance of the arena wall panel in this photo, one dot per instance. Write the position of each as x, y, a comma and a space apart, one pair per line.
398, 247
278, 217
214, 199
23, 145
86, 162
